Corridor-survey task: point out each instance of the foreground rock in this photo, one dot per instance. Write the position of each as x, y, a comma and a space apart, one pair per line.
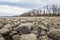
16, 37
4, 31
43, 33
1, 37
45, 37
24, 28
55, 34
28, 37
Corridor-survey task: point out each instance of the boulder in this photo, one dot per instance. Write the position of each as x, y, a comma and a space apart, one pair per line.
45, 37
24, 28
7, 25
1, 25
16, 37
4, 31
23, 21
42, 27
42, 33
55, 34
28, 37
35, 32
2, 38
12, 33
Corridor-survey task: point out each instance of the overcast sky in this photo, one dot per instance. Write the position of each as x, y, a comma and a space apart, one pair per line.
16, 7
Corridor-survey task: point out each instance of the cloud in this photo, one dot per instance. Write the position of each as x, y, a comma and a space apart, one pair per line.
12, 10
10, 0
33, 1
29, 3
23, 3
16, 7
41, 1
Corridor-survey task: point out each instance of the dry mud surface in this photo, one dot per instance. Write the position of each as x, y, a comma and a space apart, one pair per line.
30, 28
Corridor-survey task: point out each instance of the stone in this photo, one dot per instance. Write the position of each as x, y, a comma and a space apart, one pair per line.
35, 32
16, 37
28, 37
24, 28
4, 31
42, 27
55, 34
12, 33
23, 21
43, 33
1, 25
45, 37
2, 38
7, 25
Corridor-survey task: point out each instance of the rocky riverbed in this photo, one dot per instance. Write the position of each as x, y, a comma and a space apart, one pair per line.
30, 28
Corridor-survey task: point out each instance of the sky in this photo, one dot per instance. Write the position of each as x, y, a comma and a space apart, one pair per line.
17, 7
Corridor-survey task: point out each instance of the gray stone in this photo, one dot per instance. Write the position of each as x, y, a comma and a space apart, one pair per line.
45, 37
55, 34
4, 31
43, 33
28, 37
2, 38
43, 27
24, 28
16, 37
12, 33
35, 32
1, 25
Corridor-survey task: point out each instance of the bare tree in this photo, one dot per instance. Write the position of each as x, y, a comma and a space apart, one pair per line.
54, 8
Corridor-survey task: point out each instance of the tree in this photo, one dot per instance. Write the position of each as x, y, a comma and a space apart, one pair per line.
54, 9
